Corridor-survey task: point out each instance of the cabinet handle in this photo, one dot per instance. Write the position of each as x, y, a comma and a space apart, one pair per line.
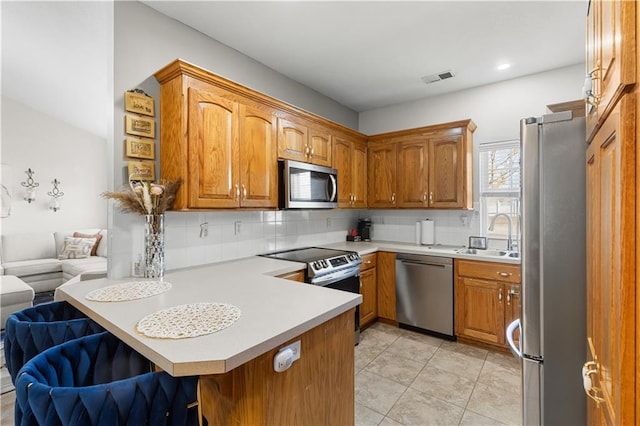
505, 274
589, 368
431, 197
509, 298
306, 150
500, 295
393, 197
244, 192
312, 152
237, 191
424, 197
355, 198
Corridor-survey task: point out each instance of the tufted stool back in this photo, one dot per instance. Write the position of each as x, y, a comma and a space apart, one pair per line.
98, 380
32, 330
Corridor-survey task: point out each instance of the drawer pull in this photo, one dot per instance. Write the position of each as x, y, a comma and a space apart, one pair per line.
505, 274
368, 262
500, 295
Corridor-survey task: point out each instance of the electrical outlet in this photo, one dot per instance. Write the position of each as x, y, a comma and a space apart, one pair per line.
328, 222
204, 229
238, 227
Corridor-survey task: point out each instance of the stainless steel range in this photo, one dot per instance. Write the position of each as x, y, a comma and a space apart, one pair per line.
337, 269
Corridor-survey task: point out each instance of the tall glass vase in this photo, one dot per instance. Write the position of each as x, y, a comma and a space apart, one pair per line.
154, 246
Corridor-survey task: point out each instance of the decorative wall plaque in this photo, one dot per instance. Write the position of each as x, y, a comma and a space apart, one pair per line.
139, 126
140, 148
139, 102
142, 170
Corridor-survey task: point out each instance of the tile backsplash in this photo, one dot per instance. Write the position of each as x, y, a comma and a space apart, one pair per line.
237, 234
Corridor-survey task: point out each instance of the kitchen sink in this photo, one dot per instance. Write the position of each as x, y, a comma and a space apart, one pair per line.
490, 252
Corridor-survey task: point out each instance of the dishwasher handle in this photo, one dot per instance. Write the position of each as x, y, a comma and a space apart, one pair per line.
413, 262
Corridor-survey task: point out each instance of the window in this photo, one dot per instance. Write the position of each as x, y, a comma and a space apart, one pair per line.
500, 188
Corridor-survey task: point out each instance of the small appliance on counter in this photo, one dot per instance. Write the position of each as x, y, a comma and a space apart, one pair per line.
364, 229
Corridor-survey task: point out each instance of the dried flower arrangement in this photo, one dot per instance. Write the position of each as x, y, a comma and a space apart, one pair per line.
146, 197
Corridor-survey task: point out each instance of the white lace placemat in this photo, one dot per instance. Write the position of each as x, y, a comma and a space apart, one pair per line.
192, 320
128, 291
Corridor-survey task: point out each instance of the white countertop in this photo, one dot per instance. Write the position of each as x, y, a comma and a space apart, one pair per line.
443, 251
274, 311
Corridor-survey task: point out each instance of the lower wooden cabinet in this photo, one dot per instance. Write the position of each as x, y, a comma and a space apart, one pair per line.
387, 285
294, 276
368, 289
487, 299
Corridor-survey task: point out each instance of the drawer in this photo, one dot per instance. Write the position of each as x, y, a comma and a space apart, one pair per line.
488, 270
369, 261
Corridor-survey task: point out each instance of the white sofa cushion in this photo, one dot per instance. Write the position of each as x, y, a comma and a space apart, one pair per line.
18, 247
77, 248
77, 266
60, 236
25, 268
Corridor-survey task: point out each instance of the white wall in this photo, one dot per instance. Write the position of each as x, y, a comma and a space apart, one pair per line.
52, 149
495, 108
144, 42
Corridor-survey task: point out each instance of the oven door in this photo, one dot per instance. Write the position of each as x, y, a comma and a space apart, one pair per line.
345, 280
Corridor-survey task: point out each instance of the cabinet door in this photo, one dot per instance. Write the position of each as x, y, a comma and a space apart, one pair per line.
258, 162
480, 309
382, 175
319, 149
412, 174
611, 272
368, 289
292, 141
342, 162
359, 174
387, 285
446, 174
213, 154
591, 60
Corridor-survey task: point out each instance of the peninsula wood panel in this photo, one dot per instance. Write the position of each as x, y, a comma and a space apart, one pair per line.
318, 389
387, 285
293, 276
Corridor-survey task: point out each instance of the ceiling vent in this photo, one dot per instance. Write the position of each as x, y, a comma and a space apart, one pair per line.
432, 78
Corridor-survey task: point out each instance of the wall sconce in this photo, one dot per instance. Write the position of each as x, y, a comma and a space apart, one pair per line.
55, 195
31, 185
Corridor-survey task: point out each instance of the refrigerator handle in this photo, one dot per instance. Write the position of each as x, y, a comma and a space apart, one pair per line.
510, 330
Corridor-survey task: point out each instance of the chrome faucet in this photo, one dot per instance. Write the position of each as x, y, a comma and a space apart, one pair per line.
509, 239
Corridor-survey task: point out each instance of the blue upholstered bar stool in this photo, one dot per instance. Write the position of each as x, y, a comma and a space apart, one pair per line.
98, 380
32, 330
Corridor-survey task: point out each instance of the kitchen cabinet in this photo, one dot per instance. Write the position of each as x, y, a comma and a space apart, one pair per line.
387, 286
294, 276
433, 167
382, 174
487, 298
299, 142
350, 160
611, 56
222, 148
612, 295
368, 290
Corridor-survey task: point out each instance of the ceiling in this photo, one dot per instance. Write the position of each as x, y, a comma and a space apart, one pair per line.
371, 54
363, 54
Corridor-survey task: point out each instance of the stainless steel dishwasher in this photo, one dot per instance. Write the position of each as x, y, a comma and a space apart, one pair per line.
424, 293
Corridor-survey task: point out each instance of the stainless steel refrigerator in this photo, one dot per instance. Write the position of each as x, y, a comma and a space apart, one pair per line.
552, 324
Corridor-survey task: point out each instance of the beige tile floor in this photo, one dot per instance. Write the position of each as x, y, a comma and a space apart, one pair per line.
407, 378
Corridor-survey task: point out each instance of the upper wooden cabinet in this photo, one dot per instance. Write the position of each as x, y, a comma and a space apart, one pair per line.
429, 167
350, 160
223, 140
611, 57
382, 174
299, 142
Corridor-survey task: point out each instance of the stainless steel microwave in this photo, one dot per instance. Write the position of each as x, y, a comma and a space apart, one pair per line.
307, 186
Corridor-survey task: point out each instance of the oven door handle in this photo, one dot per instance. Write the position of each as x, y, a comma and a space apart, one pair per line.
335, 277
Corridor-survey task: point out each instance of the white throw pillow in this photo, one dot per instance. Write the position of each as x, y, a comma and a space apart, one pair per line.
76, 248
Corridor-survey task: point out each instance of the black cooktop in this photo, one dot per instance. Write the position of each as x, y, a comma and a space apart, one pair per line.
306, 255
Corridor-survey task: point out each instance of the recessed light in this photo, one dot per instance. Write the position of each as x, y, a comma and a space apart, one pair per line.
503, 67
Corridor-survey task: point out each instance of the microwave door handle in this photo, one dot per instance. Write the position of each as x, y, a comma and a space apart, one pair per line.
334, 187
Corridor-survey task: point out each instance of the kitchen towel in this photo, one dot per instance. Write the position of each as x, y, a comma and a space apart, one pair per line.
428, 232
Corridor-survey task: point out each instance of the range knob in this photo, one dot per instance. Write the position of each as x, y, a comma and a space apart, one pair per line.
325, 264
